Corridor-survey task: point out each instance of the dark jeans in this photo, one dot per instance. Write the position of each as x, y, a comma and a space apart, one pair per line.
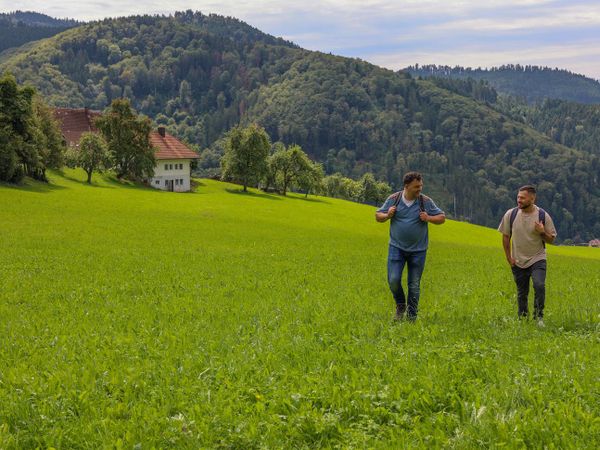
537, 272
415, 261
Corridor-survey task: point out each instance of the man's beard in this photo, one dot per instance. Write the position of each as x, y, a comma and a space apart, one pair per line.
525, 206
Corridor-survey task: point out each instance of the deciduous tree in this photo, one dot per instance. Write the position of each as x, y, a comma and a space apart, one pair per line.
92, 154
246, 153
128, 138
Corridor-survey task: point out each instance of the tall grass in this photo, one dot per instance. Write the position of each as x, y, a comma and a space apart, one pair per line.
134, 318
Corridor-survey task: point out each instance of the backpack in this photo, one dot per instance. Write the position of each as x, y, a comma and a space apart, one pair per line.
421, 201
541, 219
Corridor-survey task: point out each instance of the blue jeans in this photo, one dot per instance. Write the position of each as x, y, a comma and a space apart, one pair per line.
397, 259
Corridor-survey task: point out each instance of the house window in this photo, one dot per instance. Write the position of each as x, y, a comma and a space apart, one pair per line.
181, 166
170, 166
157, 182
176, 181
181, 181
166, 167
166, 182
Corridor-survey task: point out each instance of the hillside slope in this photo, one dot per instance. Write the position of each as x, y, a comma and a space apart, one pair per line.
135, 317
200, 75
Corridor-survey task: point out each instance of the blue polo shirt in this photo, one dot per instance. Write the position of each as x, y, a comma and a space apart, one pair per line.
407, 231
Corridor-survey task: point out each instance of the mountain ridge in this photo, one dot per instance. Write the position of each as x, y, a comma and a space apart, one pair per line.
530, 82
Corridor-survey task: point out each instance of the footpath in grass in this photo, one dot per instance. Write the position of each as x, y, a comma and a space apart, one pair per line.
134, 318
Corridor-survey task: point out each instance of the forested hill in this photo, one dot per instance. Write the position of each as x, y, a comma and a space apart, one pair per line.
572, 124
532, 83
19, 27
32, 18
200, 75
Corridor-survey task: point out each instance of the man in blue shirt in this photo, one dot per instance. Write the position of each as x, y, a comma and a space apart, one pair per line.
409, 212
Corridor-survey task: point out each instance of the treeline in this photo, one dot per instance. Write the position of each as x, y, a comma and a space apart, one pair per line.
250, 160
30, 140
202, 75
32, 18
529, 82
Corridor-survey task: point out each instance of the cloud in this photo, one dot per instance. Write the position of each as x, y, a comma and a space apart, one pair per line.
564, 17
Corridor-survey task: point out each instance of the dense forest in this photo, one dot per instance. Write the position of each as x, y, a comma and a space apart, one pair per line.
531, 83
572, 124
201, 75
20, 27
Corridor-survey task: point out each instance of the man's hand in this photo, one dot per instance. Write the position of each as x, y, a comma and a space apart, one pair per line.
539, 227
424, 216
391, 212
506, 244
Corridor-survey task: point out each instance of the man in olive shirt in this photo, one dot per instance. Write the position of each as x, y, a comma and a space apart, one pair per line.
529, 228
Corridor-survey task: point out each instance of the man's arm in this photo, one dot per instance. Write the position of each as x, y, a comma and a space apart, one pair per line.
506, 245
384, 216
547, 237
436, 220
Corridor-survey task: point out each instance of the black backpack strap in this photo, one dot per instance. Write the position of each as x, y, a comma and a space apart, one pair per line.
541, 216
398, 197
513, 216
421, 202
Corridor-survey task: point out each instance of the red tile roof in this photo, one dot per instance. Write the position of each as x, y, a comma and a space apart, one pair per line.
169, 147
75, 122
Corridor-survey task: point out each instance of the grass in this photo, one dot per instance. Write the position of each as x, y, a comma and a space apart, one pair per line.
133, 318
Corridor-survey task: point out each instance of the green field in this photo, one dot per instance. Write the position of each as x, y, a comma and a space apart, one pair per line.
133, 318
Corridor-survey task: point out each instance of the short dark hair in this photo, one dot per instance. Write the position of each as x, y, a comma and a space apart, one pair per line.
411, 176
529, 188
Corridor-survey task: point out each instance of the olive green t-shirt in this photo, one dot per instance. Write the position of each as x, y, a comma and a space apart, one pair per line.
527, 244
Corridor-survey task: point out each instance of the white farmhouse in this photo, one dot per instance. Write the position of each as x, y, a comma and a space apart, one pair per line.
173, 158
173, 162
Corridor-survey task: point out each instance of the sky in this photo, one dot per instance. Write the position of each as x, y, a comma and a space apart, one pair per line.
395, 34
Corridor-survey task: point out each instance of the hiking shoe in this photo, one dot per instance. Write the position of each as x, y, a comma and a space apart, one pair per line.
400, 309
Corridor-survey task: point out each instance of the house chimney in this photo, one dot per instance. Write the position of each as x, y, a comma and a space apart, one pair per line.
161, 131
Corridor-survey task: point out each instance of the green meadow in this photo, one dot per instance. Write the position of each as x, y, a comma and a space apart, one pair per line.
133, 318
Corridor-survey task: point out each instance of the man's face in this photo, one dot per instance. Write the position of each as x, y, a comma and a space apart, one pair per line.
525, 199
413, 189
